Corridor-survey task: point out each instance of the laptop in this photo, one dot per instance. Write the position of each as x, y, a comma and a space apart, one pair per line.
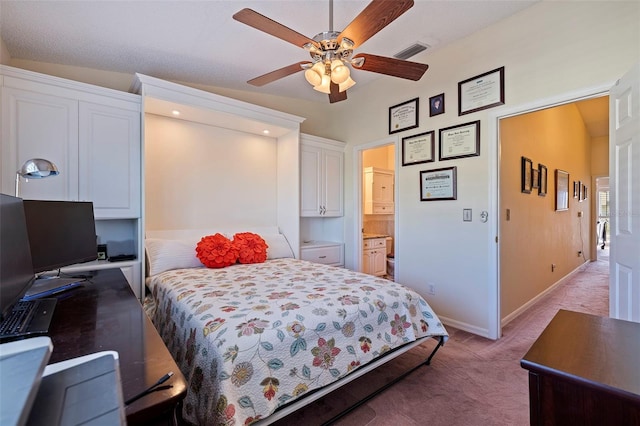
18, 319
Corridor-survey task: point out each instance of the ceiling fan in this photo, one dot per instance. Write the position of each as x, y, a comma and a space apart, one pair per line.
332, 51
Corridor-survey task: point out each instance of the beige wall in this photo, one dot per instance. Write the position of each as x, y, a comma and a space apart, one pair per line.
537, 236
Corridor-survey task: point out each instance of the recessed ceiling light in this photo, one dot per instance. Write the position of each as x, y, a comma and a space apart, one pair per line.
265, 131
175, 112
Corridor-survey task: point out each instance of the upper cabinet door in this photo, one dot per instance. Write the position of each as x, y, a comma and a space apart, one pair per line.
333, 183
311, 181
322, 181
109, 151
37, 125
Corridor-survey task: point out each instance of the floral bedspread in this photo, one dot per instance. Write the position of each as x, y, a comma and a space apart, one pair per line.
250, 338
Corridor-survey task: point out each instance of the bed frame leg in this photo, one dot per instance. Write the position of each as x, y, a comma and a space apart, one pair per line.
386, 386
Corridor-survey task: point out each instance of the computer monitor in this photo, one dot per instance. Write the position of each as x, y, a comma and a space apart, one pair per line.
61, 233
16, 268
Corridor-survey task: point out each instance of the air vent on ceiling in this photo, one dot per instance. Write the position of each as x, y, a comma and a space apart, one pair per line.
410, 51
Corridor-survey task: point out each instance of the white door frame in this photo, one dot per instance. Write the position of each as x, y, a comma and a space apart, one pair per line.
494, 117
357, 197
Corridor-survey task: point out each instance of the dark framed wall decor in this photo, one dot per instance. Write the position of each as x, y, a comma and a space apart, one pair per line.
460, 141
418, 149
438, 184
436, 105
481, 92
526, 174
535, 178
404, 116
542, 189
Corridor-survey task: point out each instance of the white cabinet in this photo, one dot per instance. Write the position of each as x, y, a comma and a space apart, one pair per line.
326, 252
322, 177
92, 135
374, 256
378, 191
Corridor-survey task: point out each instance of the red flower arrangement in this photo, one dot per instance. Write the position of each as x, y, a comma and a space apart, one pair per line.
216, 251
251, 247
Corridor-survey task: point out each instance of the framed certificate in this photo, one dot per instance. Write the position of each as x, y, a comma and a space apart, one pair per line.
481, 92
403, 116
460, 141
438, 184
418, 149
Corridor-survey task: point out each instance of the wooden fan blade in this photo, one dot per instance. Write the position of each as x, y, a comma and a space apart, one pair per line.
377, 15
392, 66
269, 26
336, 95
277, 74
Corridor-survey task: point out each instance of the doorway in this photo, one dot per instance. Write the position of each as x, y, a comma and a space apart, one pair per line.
541, 244
376, 208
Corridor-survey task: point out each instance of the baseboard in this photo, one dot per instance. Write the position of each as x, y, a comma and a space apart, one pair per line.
483, 332
527, 305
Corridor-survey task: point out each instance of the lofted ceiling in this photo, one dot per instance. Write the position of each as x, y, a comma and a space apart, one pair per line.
198, 41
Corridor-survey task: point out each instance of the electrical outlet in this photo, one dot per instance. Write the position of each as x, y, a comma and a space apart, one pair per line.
432, 289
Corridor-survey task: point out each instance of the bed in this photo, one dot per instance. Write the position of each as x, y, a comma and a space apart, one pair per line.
253, 338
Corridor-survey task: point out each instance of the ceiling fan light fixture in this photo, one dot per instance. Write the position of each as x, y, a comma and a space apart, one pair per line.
339, 71
347, 84
315, 73
325, 86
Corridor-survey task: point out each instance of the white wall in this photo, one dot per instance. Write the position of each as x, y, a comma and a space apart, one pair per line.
199, 176
550, 49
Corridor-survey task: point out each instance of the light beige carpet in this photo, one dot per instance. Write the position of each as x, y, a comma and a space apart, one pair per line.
471, 380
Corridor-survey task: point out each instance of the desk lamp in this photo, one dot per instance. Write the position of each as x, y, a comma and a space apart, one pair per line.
36, 168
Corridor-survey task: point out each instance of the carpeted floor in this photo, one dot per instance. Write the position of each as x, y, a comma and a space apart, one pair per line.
471, 380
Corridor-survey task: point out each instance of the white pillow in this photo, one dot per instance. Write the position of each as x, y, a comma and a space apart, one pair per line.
164, 255
278, 246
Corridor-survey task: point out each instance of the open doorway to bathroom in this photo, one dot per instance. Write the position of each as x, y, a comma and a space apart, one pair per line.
602, 218
377, 203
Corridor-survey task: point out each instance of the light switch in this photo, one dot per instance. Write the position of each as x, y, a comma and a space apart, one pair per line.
466, 215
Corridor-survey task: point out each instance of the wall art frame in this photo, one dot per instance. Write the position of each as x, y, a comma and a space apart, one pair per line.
542, 189
481, 92
462, 140
562, 190
404, 116
526, 175
439, 184
436, 105
418, 149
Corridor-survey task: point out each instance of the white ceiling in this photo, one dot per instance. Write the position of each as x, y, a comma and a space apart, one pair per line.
199, 42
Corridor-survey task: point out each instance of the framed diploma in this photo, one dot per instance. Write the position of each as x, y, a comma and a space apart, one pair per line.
418, 149
460, 141
403, 116
481, 92
438, 184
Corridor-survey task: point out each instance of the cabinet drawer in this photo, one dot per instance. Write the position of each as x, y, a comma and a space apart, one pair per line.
372, 243
327, 255
382, 208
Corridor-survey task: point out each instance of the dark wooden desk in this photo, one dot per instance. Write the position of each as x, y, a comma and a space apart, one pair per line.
585, 370
104, 314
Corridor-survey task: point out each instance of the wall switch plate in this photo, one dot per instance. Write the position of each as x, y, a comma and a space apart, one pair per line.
466, 215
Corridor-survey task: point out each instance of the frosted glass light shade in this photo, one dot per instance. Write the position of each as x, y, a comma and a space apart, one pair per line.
339, 72
347, 84
325, 86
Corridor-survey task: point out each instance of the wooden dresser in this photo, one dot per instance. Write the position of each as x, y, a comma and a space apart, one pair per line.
585, 370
